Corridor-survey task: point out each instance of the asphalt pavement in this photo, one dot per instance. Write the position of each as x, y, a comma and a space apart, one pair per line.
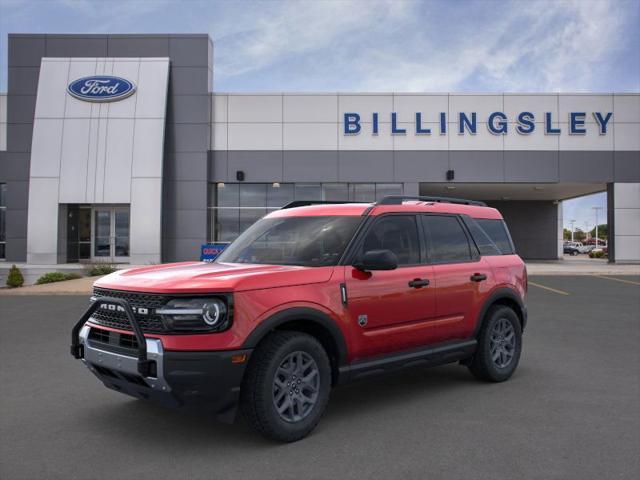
571, 411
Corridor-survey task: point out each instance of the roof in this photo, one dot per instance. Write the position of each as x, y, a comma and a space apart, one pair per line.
356, 209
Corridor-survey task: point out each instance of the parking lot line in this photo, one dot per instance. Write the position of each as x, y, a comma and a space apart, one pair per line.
631, 282
554, 290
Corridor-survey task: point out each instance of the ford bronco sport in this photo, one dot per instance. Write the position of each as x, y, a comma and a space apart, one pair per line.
311, 296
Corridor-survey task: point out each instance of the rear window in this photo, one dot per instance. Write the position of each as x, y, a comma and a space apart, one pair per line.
498, 233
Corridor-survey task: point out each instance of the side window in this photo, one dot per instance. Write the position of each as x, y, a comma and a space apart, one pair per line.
448, 242
497, 231
397, 233
483, 242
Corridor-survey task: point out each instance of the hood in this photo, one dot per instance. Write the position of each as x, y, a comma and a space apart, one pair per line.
200, 277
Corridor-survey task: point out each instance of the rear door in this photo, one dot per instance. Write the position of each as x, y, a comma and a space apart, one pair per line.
391, 310
462, 278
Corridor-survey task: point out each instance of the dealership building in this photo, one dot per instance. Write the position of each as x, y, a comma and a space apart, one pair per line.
117, 148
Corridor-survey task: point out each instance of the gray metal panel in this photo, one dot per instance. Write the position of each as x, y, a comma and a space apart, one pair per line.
477, 166
182, 249
426, 166
185, 166
310, 166
188, 109
189, 51
26, 50
16, 223
218, 166
15, 167
22, 108
185, 195
17, 195
23, 80
531, 166
626, 166
187, 137
186, 223
76, 46
533, 226
188, 80
365, 166
19, 137
258, 166
138, 46
16, 249
586, 166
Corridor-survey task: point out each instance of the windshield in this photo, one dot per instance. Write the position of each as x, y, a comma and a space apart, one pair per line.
305, 241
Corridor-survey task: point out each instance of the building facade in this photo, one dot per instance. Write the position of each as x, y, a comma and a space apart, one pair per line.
116, 148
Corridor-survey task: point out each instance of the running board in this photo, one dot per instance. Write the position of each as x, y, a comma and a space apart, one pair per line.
429, 357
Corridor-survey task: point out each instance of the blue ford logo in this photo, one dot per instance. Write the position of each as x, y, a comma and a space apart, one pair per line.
103, 88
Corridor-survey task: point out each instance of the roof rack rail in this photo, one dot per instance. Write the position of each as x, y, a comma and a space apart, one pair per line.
398, 199
306, 203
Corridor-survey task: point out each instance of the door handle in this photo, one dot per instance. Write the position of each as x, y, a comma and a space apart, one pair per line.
418, 282
478, 277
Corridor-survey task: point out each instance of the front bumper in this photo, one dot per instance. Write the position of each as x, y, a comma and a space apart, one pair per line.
206, 379
209, 380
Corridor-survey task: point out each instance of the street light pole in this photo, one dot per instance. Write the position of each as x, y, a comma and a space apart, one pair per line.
596, 210
572, 222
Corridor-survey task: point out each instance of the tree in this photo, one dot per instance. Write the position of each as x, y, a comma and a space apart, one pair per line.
603, 231
15, 278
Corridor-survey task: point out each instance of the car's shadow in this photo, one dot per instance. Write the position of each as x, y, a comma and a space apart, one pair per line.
151, 424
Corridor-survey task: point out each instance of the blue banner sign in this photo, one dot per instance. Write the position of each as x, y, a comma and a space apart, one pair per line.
101, 88
210, 251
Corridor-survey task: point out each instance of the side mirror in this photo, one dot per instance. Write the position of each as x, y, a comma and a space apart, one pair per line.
377, 260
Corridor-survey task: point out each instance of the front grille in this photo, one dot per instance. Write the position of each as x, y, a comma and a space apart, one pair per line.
150, 323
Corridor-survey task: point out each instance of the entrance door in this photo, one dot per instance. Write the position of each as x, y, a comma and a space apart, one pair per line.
111, 234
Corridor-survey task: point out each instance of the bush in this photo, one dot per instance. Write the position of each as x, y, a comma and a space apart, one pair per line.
15, 278
101, 269
596, 254
52, 277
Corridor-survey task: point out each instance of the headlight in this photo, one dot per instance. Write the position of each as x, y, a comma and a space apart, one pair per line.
196, 314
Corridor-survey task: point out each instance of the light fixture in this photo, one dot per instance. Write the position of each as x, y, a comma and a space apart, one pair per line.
450, 187
220, 184
506, 198
538, 188
275, 185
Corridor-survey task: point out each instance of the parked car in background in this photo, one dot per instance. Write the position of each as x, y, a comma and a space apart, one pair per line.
572, 248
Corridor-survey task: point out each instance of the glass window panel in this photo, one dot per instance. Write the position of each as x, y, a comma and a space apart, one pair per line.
497, 231
362, 192
2, 250
279, 196
397, 233
253, 195
122, 223
249, 216
338, 192
84, 251
228, 195
122, 246
308, 191
227, 224
385, 189
3, 233
3, 194
447, 241
84, 224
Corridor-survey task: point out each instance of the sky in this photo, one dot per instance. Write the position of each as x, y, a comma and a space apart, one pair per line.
377, 45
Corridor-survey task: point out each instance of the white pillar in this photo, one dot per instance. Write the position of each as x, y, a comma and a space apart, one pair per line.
560, 236
626, 222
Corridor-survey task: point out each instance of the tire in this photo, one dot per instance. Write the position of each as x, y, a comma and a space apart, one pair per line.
269, 383
574, 253
495, 338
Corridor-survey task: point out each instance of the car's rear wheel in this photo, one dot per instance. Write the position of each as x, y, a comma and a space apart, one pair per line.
286, 387
499, 345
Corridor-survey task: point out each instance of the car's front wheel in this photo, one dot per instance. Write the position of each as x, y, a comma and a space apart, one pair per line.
286, 387
499, 345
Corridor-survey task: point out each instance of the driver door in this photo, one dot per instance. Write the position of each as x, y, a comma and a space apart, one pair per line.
390, 310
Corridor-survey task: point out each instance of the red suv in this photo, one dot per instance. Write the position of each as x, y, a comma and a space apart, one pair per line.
311, 296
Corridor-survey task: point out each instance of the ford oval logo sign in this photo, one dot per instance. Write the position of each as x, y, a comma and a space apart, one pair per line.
101, 88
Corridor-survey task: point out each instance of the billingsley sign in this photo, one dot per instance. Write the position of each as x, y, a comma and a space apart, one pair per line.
101, 88
497, 123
